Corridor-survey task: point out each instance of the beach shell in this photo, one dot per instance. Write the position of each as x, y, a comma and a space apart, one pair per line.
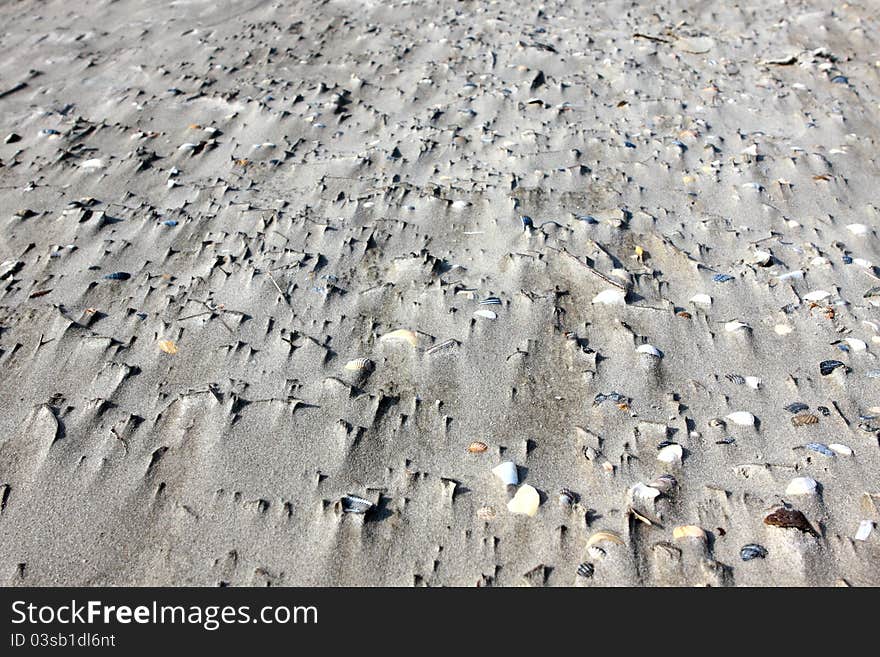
688, 531
95, 163
796, 275
782, 329
611, 297
477, 447
701, 300
490, 301
752, 551
817, 295
486, 513
819, 448
856, 345
507, 473
168, 346
401, 335
735, 378
671, 454
858, 229
722, 278
526, 501
354, 504
585, 570
358, 365
753, 382
742, 418
650, 350
843, 450
826, 367
566, 497
596, 552
604, 536
804, 419
442, 347
118, 276
802, 486
790, 519
486, 314
762, 258
796, 407
664, 483
864, 530
735, 325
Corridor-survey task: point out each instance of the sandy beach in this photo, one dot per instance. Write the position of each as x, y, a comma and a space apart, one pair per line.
284, 285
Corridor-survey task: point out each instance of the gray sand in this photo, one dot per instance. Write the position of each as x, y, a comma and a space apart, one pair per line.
340, 170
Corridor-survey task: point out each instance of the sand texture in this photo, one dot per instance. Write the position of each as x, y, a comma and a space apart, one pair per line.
282, 283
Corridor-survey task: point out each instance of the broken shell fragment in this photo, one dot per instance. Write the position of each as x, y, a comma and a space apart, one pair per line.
671, 454
843, 450
354, 504
604, 536
610, 297
486, 513
585, 570
864, 530
701, 300
688, 531
566, 497
752, 551
826, 367
804, 419
477, 447
485, 314
168, 346
650, 350
664, 483
817, 295
507, 473
790, 519
358, 365
742, 418
526, 501
802, 486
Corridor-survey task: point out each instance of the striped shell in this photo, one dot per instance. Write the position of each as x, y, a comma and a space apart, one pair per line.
477, 447
804, 419
359, 364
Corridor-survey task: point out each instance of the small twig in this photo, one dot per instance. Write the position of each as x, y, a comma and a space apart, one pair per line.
639, 35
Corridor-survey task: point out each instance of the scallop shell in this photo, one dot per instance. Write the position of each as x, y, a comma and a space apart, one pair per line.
650, 350
526, 501
485, 314
168, 346
401, 335
688, 531
604, 535
359, 364
804, 419
671, 454
354, 504
802, 486
611, 297
477, 447
701, 300
742, 418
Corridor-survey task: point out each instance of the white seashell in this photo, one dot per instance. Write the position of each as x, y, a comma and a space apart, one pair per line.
874, 326
797, 274
358, 364
487, 314
643, 493
507, 473
782, 329
688, 531
460, 205
843, 450
861, 262
187, 147
761, 257
864, 530
611, 297
401, 335
802, 486
742, 418
701, 299
730, 327
526, 501
95, 163
753, 382
820, 261
856, 345
650, 350
817, 295
858, 229
671, 454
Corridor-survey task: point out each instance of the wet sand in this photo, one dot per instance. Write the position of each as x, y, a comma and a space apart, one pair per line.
212, 210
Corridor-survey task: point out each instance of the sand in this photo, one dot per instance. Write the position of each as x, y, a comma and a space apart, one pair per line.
279, 185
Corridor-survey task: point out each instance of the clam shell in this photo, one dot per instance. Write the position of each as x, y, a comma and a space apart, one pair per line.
401, 335
507, 473
817, 295
611, 297
752, 551
826, 367
735, 325
804, 419
603, 536
664, 483
701, 300
477, 447
858, 229
566, 497
843, 450
802, 486
753, 382
485, 314
650, 350
671, 454
688, 531
856, 345
359, 364
526, 501
355, 504
742, 418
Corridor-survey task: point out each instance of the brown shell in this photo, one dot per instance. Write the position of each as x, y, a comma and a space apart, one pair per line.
477, 447
803, 419
486, 513
790, 518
